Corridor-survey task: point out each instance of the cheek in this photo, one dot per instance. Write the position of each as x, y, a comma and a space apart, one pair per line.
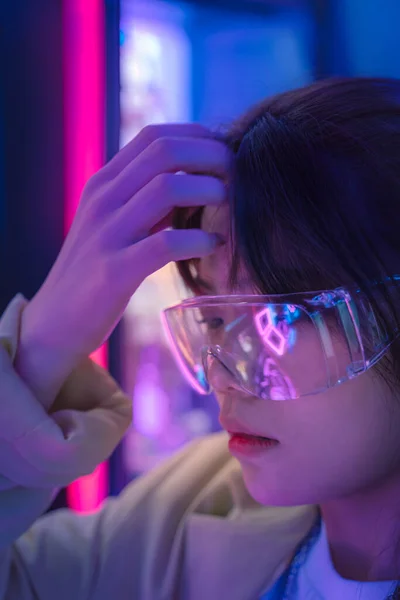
333, 444
351, 439
294, 355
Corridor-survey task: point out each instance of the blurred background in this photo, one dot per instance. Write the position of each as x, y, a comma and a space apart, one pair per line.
79, 79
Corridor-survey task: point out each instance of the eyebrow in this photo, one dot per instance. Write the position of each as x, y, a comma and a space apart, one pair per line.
211, 289
206, 285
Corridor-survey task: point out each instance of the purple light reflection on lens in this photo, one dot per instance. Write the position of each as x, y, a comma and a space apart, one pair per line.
270, 334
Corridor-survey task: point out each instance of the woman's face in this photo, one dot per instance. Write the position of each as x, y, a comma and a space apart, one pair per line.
330, 445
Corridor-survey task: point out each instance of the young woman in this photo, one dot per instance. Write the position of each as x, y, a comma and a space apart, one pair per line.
287, 234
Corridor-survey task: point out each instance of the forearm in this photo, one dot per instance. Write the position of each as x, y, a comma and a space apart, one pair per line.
42, 360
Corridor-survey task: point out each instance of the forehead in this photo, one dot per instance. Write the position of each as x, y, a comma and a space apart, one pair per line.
216, 219
215, 268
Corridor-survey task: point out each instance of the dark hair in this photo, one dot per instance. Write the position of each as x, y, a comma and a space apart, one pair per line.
315, 194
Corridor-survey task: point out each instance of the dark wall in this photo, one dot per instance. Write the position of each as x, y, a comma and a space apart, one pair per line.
2, 185
371, 30
31, 144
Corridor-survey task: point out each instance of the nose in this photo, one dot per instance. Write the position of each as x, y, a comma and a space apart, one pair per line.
219, 376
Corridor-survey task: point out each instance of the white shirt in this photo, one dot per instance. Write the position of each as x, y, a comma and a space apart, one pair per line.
318, 580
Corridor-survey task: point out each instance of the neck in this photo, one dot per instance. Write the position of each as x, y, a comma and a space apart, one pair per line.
363, 532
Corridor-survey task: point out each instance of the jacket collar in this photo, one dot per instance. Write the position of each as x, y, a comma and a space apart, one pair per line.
234, 547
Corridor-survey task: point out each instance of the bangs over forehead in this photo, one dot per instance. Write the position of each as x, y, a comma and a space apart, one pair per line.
265, 251
311, 198
278, 227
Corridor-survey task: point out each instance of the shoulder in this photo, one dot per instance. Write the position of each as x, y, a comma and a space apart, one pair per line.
184, 475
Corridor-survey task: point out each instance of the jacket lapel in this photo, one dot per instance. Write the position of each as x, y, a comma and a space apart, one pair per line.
233, 547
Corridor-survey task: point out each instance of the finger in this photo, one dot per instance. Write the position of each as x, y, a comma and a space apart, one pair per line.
145, 138
161, 225
154, 252
168, 221
169, 155
153, 204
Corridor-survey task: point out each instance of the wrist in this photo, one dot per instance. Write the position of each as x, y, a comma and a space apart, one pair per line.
42, 359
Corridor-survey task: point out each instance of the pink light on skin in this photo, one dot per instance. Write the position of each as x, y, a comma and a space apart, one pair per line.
84, 133
270, 335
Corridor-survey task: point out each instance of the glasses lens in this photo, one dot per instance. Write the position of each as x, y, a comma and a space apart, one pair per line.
276, 351
273, 350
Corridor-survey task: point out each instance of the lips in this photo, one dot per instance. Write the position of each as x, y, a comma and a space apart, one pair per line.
249, 446
235, 428
247, 437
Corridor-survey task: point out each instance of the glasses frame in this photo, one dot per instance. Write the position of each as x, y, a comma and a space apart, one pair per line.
313, 303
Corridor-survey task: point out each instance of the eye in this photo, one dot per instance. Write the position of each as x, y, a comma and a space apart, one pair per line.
212, 323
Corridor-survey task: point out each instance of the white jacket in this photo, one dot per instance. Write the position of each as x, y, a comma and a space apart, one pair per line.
186, 531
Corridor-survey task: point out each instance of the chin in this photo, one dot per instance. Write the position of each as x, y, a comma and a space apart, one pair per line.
266, 490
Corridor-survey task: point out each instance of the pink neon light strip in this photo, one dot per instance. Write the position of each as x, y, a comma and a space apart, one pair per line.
84, 130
